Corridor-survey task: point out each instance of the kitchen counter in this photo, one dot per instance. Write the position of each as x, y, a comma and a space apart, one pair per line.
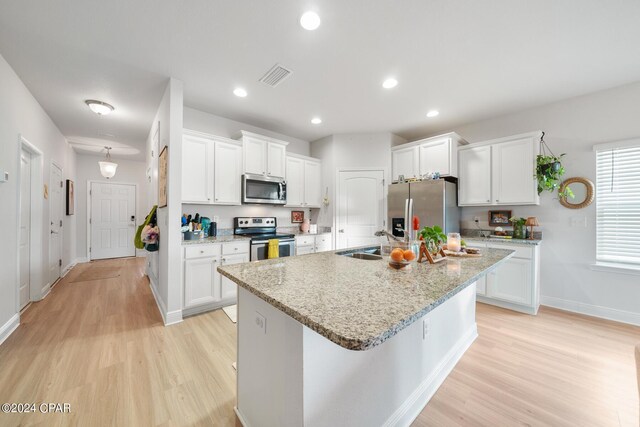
525, 242
358, 304
217, 239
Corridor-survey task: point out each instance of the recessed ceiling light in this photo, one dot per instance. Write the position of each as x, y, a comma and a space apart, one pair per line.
316, 120
99, 107
390, 83
310, 21
433, 113
240, 92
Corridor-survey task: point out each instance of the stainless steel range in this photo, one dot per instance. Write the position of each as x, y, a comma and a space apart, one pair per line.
261, 230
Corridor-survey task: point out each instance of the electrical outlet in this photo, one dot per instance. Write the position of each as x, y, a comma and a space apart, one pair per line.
476, 219
261, 322
579, 221
426, 328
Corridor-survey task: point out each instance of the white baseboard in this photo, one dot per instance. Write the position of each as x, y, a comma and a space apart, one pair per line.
416, 402
168, 318
10, 326
44, 292
240, 417
72, 264
592, 310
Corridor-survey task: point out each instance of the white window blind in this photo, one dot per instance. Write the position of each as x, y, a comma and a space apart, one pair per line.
618, 205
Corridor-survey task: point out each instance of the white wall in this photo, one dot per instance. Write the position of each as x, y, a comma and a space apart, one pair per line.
128, 172
20, 113
343, 151
170, 119
221, 126
573, 127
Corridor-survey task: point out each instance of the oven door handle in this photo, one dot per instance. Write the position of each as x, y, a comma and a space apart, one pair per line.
280, 242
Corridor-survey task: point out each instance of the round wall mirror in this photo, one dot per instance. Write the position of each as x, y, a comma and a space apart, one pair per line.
583, 193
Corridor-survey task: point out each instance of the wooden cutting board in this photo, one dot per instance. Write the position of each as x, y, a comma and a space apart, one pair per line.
461, 254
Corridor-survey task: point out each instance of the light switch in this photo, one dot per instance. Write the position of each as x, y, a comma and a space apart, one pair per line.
4, 176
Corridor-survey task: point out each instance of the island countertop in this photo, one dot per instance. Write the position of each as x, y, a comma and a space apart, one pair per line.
358, 304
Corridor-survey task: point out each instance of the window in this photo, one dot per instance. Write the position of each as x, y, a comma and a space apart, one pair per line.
618, 203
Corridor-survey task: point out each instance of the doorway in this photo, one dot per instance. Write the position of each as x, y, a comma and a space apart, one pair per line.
56, 204
112, 220
30, 224
360, 207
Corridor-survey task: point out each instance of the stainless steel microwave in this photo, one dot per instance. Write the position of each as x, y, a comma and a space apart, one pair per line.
262, 189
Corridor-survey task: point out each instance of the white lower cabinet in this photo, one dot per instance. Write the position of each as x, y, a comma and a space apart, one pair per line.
204, 287
228, 289
515, 283
311, 244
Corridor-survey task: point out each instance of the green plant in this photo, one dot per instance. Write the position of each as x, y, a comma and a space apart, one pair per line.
433, 234
549, 171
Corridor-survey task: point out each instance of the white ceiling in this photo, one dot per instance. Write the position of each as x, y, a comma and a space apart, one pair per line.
468, 59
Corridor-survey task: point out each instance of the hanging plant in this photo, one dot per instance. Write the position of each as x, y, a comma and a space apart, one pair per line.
549, 171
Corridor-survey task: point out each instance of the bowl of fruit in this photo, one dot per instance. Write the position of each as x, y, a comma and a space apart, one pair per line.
402, 255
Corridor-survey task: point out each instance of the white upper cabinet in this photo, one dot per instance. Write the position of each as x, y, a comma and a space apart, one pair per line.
211, 169
263, 155
255, 156
435, 154
513, 172
304, 181
499, 172
197, 169
295, 181
405, 162
474, 183
312, 184
227, 173
276, 159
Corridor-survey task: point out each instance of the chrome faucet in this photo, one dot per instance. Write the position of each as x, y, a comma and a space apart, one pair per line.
389, 235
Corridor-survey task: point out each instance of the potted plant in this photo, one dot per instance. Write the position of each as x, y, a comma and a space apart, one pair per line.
433, 237
549, 171
519, 227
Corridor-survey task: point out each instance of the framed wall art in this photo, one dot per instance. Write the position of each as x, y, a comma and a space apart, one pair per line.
71, 198
499, 218
297, 217
162, 177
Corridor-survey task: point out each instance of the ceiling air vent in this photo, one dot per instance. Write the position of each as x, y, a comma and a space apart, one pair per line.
275, 75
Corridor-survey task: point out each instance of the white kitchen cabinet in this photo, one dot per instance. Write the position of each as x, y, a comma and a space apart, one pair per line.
513, 170
205, 288
211, 169
435, 154
201, 281
263, 155
295, 181
197, 169
474, 183
514, 284
313, 243
304, 181
228, 289
227, 173
405, 162
499, 172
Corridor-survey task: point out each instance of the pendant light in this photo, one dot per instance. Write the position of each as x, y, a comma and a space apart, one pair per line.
107, 167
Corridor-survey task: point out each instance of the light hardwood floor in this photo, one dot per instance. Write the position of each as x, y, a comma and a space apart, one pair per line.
101, 346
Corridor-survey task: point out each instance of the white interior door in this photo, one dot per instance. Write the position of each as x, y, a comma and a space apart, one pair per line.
360, 210
55, 216
113, 220
25, 227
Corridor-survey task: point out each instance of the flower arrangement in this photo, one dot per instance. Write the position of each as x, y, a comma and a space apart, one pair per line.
150, 236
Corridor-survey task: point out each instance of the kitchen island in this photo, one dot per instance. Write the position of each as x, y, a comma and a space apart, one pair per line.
326, 339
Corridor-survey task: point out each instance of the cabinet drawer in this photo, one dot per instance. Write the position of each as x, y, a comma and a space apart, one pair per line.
305, 240
235, 248
201, 251
521, 251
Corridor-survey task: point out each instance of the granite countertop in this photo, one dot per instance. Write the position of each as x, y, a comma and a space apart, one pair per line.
217, 239
358, 304
525, 242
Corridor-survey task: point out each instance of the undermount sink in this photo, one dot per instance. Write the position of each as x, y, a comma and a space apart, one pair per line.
370, 254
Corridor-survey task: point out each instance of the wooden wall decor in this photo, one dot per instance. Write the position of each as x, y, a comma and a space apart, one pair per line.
162, 177
589, 193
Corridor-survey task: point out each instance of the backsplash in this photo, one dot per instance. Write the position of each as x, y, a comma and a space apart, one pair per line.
227, 213
479, 232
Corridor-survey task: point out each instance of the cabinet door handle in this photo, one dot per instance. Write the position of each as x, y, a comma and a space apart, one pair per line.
497, 201
488, 201
201, 252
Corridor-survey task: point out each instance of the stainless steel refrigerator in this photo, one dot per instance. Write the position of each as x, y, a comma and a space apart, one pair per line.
433, 202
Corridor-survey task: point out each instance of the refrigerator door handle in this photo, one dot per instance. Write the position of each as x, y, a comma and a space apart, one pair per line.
408, 219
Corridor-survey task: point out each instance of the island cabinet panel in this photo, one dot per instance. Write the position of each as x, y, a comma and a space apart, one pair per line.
201, 281
299, 368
